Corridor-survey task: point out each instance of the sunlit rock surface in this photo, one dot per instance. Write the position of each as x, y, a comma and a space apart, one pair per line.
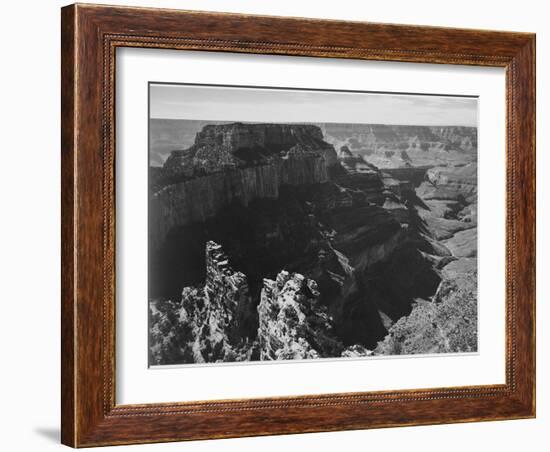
266, 243
445, 324
203, 327
293, 324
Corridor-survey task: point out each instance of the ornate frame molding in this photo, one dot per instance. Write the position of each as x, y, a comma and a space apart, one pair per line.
90, 37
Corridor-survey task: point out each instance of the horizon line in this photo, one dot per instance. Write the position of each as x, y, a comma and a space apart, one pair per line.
315, 122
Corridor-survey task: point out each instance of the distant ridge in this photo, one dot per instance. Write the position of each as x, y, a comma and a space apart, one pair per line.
167, 135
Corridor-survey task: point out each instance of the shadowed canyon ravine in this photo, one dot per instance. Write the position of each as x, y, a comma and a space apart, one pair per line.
297, 241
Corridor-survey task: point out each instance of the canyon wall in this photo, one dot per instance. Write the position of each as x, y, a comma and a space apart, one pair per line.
441, 142
398, 146
292, 322
378, 135
234, 163
325, 254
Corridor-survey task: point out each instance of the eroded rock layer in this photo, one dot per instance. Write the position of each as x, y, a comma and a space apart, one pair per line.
293, 324
324, 254
445, 324
397, 146
203, 326
235, 163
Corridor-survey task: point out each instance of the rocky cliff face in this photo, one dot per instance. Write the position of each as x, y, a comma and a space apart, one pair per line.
319, 260
445, 324
396, 146
165, 135
249, 140
373, 136
450, 207
354, 164
292, 322
438, 144
447, 321
218, 148
235, 163
205, 326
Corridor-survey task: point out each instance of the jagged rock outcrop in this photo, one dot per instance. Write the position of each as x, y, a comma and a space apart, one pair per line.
206, 327
293, 325
366, 250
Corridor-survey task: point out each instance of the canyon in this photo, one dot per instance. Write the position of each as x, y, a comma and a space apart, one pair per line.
299, 241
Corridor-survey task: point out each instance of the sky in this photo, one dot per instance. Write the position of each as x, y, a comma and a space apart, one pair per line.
220, 103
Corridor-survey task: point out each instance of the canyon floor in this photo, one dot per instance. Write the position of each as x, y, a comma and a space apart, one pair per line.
308, 241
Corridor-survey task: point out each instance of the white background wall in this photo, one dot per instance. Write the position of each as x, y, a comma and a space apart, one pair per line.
29, 226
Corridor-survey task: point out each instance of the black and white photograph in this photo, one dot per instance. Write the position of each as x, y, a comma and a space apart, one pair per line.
302, 224
275, 226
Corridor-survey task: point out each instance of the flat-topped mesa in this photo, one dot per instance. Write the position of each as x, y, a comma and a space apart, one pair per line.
219, 147
235, 163
246, 140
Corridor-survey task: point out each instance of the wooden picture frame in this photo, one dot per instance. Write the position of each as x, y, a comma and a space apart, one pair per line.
90, 35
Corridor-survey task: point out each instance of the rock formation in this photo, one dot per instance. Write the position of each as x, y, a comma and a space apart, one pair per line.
206, 328
449, 195
423, 145
293, 324
354, 164
396, 146
447, 321
386, 135
445, 324
356, 351
324, 254
235, 163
